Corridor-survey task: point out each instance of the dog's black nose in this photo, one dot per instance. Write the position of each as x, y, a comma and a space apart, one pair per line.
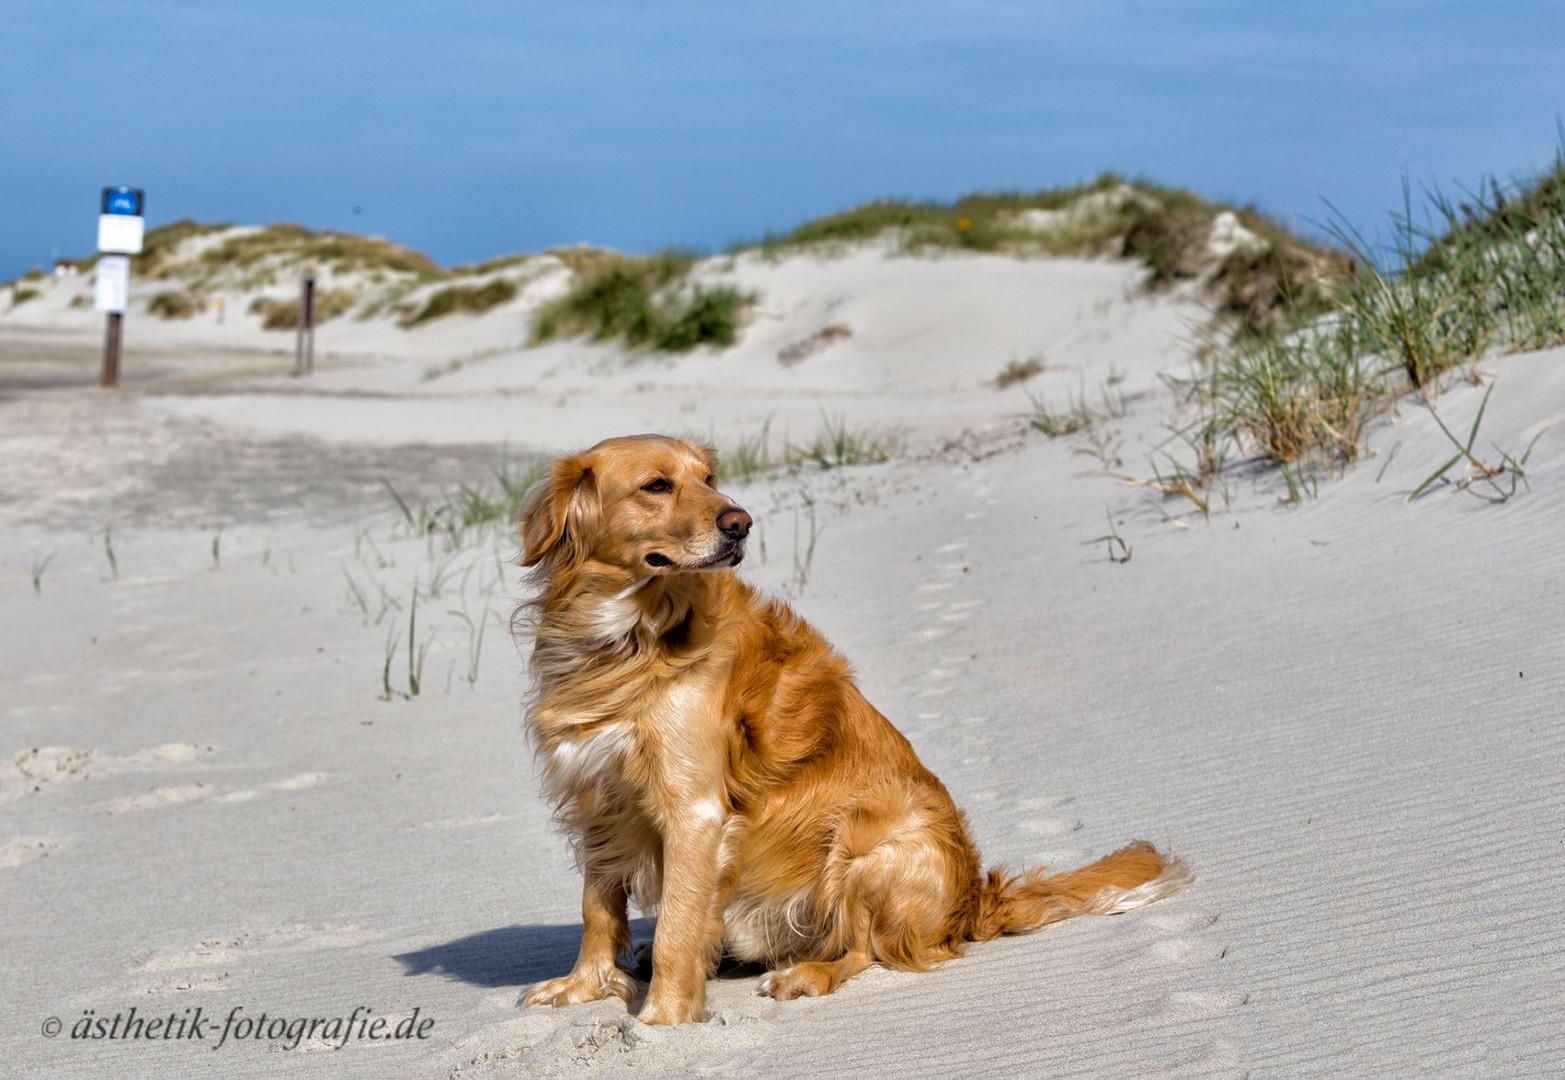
734, 521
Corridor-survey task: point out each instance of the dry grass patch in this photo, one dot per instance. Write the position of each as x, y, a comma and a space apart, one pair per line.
467, 299
176, 304
823, 338
1018, 371
279, 314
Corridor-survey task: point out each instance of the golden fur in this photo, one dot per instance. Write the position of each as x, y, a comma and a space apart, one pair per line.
710, 758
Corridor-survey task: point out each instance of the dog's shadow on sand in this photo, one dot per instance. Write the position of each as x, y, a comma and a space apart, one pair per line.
522, 955
509, 956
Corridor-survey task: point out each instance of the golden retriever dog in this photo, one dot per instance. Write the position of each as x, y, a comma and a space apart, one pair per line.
709, 757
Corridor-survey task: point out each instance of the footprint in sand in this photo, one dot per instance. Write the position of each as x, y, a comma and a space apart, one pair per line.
19, 851
1051, 826
1202, 1001
163, 796
41, 767
1184, 947
1189, 950
212, 961
293, 783
1046, 802
201, 791
1181, 922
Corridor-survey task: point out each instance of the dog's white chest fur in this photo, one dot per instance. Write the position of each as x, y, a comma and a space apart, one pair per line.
595, 759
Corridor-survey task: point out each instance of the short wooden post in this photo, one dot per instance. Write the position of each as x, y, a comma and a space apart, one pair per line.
307, 312
304, 336
111, 350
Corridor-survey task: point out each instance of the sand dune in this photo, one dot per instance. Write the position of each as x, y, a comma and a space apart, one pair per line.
1344, 713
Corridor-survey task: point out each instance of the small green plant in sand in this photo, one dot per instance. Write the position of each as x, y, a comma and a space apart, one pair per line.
475, 642
472, 510
416, 654
1118, 550
393, 639
1078, 414
804, 559
836, 446
108, 551
750, 457
1495, 482
20, 295
357, 594
39, 566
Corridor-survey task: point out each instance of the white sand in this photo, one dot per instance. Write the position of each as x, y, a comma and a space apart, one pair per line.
1346, 715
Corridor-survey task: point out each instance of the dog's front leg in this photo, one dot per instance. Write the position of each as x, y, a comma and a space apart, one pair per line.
690, 927
605, 934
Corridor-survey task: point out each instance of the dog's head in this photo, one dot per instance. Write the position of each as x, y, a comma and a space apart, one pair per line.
645, 505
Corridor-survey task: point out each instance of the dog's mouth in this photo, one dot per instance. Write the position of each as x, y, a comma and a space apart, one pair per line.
729, 555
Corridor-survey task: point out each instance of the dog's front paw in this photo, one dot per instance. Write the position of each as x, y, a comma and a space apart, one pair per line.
580, 986
670, 1009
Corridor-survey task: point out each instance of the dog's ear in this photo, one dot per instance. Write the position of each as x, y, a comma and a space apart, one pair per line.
561, 513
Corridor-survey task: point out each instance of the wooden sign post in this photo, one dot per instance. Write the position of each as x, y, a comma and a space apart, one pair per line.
121, 231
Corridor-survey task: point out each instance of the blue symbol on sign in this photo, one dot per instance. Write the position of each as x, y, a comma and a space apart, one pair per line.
122, 201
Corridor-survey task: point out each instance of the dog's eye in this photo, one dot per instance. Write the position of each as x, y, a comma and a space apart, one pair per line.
710, 481
659, 486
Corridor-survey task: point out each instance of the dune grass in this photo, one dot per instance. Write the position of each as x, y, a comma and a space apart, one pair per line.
644, 301
339, 252
21, 295
467, 299
176, 304
836, 445
1462, 281
159, 246
1078, 414
1494, 482
1273, 275
472, 510
280, 314
1018, 371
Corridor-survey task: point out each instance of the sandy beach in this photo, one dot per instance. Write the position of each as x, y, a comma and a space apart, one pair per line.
218, 792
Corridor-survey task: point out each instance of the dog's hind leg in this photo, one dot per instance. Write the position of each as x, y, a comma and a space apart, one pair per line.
899, 879
814, 978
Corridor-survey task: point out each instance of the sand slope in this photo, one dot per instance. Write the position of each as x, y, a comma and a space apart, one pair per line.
1345, 715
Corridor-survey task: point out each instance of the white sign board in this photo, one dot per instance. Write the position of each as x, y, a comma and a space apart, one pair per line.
121, 233
111, 285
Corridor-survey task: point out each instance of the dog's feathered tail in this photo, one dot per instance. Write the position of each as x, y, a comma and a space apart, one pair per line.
1131, 877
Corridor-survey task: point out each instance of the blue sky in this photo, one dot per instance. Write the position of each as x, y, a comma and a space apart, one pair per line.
467, 128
